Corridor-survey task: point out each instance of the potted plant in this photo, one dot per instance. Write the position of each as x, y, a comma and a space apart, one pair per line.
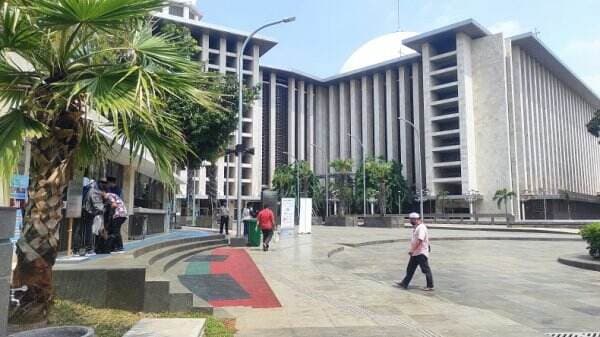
591, 234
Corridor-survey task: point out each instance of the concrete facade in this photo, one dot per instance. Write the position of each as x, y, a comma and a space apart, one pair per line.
492, 112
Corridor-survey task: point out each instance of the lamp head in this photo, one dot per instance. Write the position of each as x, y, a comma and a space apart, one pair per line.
290, 19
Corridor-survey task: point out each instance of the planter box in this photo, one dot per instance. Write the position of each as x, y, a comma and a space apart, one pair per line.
341, 221
379, 221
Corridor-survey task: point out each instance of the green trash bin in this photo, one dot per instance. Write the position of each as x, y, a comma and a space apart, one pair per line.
254, 233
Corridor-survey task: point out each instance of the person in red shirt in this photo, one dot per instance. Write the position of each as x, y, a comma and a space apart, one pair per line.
266, 221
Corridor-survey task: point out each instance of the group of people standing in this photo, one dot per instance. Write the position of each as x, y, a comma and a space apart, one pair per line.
103, 214
265, 221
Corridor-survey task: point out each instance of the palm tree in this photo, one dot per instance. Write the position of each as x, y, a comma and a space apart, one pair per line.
341, 186
503, 196
71, 70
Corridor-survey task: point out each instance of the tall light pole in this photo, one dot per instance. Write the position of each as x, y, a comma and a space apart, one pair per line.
419, 162
297, 182
364, 175
239, 146
326, 178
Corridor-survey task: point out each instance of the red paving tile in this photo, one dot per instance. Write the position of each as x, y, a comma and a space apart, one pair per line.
241, 268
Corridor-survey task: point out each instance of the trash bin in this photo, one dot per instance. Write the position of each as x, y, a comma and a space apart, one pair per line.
253, 233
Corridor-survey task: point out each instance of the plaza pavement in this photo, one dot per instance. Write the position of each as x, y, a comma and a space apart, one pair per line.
483, 287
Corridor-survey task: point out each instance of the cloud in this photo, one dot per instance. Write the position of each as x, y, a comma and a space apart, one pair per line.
508, 28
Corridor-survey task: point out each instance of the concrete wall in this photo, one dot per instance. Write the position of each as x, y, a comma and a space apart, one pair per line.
490, 108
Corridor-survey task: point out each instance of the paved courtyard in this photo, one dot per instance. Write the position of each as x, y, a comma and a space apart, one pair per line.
486, 285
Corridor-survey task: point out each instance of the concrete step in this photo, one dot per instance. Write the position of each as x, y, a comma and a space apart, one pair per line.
168, 327
166, 258
164, 292
160, 245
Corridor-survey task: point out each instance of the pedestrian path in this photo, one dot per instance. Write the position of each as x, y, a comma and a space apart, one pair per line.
226, 277
352, 293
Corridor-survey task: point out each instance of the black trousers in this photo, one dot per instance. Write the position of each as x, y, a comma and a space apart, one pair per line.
114, 233
421, 261
267, 236
224, 222
82, 233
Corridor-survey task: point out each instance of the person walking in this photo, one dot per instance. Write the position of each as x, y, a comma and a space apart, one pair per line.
419, 253
224, 212
119, 215
246, 216
266, 221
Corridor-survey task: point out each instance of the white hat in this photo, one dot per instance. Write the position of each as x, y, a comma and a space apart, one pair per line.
414, 215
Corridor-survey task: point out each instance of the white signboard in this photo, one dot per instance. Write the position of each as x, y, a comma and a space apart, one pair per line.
288, 206
305, 216
74, 198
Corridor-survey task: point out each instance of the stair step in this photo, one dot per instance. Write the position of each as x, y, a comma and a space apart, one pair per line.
177, 298
160, 245
168, 327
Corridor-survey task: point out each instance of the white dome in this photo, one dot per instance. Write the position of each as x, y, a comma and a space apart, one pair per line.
377, 50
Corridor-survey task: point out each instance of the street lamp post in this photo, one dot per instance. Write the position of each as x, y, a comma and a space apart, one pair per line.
297, 182
240, 117
364, 175
419, 162
326, 179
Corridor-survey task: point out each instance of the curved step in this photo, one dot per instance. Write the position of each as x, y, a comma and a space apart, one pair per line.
175, 242
164, 292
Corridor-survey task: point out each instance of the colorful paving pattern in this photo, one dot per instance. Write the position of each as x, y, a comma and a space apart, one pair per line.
228, 278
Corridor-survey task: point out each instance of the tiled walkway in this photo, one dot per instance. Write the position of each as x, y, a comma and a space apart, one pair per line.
484, 287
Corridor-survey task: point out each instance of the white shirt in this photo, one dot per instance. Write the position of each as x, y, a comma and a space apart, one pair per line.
420, 233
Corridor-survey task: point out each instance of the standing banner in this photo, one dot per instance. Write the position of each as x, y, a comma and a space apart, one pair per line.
305, 216
288, 206
18, 197
73, 207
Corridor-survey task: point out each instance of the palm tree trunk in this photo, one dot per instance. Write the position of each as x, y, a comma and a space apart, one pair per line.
37, 248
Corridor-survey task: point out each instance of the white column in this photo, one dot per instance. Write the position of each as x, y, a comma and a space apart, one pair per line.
405, 113
367, 114
272, 124
291, 119
416, 118
467, 118
201, 181
301, 121
355, 122
322, 130
310, 131
344, 122
379, 114
391, 114
205, 44
334, 123
257, 128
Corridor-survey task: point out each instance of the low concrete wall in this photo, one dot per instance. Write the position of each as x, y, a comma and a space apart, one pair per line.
341, 221
102, 287
8, 217
384, 221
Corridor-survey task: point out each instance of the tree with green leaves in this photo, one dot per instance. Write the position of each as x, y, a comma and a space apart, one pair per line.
384, 177
286, 177
593, 126
503, 196
207, 130
70, 69
342, 182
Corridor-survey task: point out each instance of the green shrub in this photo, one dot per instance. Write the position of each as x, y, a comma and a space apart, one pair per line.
591, 234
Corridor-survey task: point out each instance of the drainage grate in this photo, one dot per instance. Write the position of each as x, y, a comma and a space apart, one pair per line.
574, 334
